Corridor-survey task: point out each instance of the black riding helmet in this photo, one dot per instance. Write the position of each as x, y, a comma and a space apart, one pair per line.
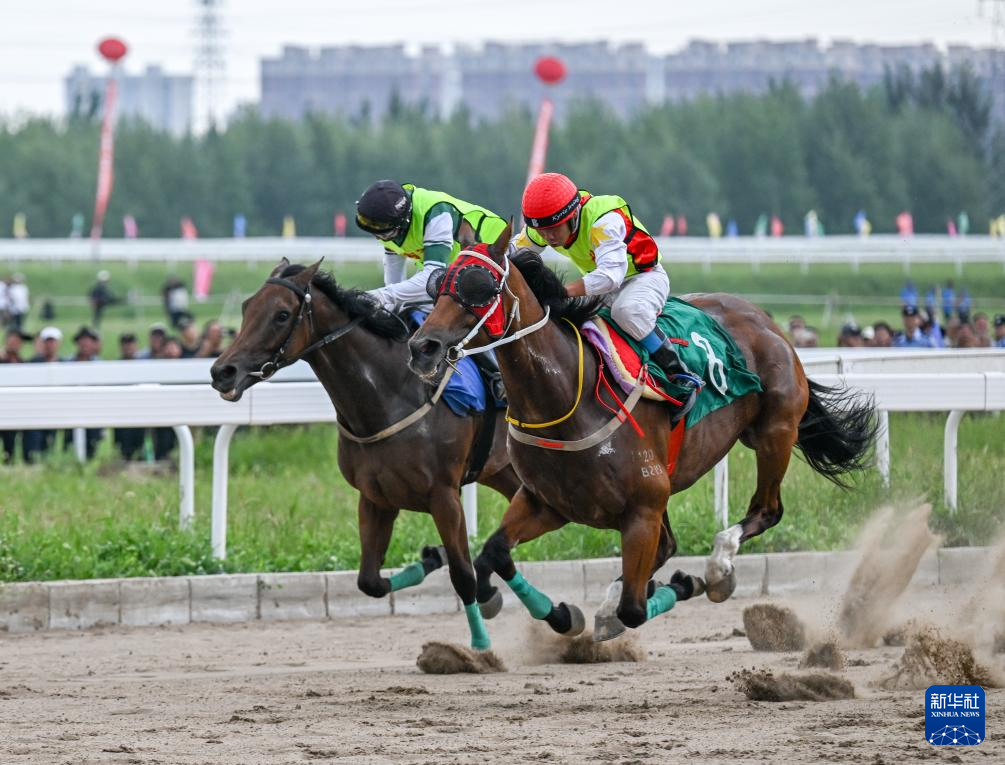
384, 210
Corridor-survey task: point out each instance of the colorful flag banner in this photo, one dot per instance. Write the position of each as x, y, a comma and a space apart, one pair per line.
540, 148
202, 279
188, 229
106, 159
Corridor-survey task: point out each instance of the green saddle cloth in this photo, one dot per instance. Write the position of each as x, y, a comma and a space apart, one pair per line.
711, 353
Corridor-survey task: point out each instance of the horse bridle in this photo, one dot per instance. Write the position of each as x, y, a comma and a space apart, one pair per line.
278, 360
457, 352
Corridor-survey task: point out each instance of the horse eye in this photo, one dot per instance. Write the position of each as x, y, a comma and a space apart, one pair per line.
282, 317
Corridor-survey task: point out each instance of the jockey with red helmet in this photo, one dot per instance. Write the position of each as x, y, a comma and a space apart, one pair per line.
615, 254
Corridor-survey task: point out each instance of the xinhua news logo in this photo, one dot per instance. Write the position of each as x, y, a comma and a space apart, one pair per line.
954, 715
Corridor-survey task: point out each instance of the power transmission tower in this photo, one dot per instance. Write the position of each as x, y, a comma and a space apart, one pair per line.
997, 53
210, 63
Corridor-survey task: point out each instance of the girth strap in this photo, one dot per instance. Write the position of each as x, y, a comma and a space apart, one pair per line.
400, 425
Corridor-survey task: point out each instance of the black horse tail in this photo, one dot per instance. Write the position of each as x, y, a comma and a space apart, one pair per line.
836, 431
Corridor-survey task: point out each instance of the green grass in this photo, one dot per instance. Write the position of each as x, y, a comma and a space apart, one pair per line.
293, 512
851, 296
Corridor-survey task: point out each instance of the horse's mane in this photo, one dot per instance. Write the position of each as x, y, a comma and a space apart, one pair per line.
356, 303
550, 291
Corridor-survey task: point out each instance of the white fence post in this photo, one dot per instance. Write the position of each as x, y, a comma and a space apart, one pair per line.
469, 498
949, 458
721, 481
186, 476
883, 446
80, 444
221, 452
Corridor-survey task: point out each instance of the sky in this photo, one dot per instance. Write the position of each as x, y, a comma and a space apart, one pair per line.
41, 40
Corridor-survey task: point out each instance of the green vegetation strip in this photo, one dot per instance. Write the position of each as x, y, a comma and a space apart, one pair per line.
290, 509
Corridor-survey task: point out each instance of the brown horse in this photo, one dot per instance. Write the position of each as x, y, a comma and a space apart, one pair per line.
394, 448
619, 480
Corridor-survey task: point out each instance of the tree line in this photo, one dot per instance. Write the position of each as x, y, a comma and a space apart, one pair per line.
923, 142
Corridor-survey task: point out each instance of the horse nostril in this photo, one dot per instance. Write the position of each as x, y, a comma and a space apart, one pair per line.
429, 347
224, 374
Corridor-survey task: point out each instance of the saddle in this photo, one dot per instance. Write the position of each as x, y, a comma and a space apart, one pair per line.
625, 362
707, 349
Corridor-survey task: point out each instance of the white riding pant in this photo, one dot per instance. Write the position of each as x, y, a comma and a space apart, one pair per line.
639, 300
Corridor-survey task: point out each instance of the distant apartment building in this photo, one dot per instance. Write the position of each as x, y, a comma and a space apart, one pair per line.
162, 100
353, 80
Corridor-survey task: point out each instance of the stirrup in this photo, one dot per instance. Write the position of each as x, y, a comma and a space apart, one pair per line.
685, 377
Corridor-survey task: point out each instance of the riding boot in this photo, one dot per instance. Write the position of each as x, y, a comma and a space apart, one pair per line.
489, 367
677, 372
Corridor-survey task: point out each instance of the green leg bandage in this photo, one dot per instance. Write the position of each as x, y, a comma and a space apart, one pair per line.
537, 602
409, 576
662, 601
479, 635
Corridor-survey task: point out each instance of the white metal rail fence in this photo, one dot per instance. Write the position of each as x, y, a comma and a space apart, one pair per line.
850, 250
176, 394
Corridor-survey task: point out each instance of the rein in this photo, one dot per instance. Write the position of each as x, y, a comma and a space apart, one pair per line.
579, 391
278, 362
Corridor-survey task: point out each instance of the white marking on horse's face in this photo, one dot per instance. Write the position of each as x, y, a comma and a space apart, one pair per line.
606, 448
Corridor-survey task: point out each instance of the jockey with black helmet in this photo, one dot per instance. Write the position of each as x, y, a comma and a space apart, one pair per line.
615, 254
420, 224
426, 226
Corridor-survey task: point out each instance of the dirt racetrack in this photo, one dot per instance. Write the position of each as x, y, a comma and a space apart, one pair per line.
349, 692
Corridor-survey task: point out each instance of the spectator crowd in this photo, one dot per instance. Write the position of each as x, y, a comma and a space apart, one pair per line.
945, 319
180, 339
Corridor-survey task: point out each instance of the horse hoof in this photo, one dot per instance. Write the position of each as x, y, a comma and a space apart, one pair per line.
719, 592
699, 585
437, 553
607, 627
578, 621
491, 607
686, 586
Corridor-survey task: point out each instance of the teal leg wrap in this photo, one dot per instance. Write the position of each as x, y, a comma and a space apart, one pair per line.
479, 635
537, 602
409, 576
662, 601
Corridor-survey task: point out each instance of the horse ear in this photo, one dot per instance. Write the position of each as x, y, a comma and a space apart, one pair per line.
497, 250
305, 276
466, 236
279, 268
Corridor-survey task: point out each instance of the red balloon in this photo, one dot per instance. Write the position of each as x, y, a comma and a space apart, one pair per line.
112, 49
550, 70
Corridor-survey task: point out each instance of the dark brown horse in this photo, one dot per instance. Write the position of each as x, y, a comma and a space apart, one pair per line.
358, 352
620, 481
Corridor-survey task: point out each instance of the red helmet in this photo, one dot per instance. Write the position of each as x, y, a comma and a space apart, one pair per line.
549, 199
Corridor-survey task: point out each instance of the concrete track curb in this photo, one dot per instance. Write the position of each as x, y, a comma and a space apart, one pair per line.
35, 606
